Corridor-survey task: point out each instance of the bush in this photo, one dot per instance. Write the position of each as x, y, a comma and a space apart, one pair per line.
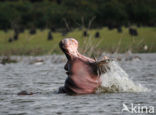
50, 13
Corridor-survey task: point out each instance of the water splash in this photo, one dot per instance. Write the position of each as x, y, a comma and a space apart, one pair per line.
117, 80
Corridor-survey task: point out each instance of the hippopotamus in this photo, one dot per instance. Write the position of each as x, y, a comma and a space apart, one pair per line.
83, 73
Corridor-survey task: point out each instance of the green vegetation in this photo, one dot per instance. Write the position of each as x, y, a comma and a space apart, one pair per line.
109, 41
69, 14
65, 16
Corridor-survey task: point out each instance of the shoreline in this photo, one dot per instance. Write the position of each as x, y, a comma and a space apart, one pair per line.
108, 40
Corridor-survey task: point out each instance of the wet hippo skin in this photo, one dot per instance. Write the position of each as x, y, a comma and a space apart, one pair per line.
83, 77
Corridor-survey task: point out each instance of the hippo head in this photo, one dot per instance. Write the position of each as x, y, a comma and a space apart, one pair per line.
70, 47
83, 72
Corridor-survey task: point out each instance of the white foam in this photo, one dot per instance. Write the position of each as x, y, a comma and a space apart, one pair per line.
117, 80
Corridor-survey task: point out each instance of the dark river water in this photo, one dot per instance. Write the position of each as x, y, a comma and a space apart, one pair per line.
43, 79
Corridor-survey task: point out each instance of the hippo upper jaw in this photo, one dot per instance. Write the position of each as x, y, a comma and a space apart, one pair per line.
69, 46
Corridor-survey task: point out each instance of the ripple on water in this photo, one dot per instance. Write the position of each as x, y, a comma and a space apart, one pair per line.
45, 79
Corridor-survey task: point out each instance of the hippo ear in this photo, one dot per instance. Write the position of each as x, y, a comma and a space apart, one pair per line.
102, 66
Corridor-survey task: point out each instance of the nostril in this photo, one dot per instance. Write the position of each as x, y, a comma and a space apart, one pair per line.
73, 40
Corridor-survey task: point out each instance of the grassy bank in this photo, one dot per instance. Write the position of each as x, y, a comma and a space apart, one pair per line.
109, 41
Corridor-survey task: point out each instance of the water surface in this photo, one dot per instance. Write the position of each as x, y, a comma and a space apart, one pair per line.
44, 79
